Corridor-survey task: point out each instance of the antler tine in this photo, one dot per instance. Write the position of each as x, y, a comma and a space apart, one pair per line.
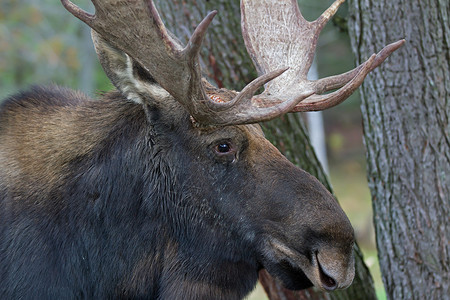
328, 14
349, 82
196, 41
321, 102
78, 12
386, 51
338, 81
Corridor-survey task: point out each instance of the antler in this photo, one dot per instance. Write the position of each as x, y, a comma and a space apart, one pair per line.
136, 28
276, 34
277, 27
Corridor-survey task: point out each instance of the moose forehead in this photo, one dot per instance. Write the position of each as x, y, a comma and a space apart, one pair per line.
250, 131
250, 136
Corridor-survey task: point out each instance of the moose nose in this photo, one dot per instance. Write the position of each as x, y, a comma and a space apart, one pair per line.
332, 274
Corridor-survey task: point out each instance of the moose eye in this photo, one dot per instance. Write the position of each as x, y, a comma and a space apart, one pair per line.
225, 152
224, 147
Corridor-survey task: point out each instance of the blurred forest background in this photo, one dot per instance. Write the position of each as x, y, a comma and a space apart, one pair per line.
41, 43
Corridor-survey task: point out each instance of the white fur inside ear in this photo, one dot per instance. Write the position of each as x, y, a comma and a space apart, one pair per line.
137, 90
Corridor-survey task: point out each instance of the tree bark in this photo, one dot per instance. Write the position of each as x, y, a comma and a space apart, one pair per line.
227, 64
406, 114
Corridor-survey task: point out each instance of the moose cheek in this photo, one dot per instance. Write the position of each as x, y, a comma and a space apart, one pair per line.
226, 159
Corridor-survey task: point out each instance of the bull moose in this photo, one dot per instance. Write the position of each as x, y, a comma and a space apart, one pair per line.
166, 187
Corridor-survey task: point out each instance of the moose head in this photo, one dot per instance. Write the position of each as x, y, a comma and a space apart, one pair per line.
167, 188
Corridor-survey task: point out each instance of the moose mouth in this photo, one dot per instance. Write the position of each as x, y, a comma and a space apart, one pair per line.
298, 271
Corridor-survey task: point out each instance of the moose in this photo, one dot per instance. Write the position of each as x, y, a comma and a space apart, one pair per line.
166, 188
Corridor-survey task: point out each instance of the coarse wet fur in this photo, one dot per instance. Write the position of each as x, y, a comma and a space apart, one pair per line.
126, 197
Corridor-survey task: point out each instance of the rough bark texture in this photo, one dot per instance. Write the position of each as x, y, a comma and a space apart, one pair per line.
406, 114
228, 65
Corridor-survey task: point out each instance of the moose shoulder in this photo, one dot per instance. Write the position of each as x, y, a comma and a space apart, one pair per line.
166, 188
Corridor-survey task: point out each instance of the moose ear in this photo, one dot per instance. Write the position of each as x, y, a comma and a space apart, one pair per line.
128, 76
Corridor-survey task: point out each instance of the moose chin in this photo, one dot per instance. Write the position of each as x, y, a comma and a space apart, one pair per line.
166, 188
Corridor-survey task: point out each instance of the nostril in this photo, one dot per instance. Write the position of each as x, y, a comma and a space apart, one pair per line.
328, 282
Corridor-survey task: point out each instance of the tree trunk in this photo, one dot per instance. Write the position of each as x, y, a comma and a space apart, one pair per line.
406, 113
227, 65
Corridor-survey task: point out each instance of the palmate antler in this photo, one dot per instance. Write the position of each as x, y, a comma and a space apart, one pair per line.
280, 42
291, 42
